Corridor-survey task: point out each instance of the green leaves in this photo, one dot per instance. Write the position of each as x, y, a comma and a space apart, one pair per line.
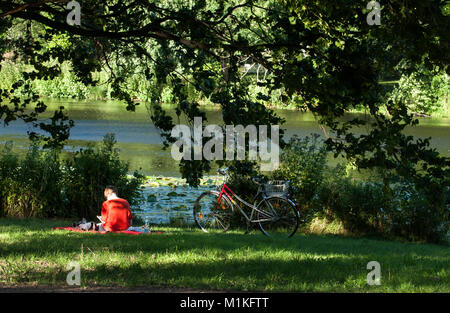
324, 52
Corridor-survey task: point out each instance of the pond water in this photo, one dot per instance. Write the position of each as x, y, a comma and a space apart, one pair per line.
140, 143
171, 201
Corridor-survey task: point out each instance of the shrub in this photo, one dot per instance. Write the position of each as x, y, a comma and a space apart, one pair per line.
62, 87
41, 185
10, 73
90, 170
31, 187
66, 85
9, 163
388, 207
424, 91
417, 215
358, 205
303, 162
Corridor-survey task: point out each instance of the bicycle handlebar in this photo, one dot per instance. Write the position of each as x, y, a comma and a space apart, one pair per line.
258, 180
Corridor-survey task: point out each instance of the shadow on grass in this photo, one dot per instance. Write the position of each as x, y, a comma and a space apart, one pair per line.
35, 238
191, 258
250, 274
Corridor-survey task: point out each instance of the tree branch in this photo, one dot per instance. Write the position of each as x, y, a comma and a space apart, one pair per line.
29, 5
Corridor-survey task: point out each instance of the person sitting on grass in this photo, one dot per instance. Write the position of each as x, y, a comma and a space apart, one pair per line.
116, 213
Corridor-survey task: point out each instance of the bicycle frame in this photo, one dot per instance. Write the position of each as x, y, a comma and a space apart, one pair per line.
224, 193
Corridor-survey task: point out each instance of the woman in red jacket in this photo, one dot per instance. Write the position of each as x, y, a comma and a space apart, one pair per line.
116, 213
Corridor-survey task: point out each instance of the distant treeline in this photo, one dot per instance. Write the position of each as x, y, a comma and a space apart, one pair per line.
425, 92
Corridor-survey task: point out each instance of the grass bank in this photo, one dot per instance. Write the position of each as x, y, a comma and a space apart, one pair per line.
33, 254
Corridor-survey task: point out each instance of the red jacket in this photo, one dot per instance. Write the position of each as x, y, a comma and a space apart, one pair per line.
116, 214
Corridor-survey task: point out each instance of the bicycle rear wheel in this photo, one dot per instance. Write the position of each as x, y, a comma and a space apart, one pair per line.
211, 214
277, 215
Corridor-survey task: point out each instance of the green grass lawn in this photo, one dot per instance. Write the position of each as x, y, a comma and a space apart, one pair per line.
33, 254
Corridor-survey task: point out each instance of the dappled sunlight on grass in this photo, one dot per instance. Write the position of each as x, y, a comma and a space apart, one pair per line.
233, 261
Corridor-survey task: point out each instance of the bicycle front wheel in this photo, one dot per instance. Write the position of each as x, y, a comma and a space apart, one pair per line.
212, 214
277, 215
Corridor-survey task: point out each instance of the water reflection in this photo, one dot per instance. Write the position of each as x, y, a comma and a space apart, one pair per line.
140, 142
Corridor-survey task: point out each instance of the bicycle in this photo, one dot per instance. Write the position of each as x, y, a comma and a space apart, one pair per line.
274, 214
